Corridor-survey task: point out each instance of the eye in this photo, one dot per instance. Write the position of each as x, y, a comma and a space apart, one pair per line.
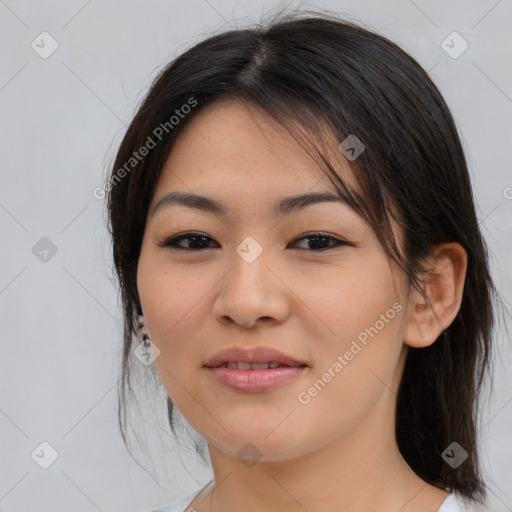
199, 241
321, 241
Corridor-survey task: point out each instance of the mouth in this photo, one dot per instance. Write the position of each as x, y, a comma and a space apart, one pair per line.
253, 370
254, 358
246, 365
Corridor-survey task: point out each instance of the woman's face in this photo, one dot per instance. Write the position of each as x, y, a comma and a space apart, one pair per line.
255, 281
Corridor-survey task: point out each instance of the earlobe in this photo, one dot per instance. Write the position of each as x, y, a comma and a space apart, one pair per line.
443, 286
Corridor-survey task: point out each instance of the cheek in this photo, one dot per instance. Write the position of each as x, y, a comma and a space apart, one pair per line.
175, 304
160, 290
174, 313
352, 301
364, 311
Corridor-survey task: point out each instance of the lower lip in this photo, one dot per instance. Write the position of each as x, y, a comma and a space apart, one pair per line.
255, 381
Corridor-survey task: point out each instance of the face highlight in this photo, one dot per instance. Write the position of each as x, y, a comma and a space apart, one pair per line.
309, 280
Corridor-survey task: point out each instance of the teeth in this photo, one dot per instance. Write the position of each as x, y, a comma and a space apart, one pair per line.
259, 366
243, 365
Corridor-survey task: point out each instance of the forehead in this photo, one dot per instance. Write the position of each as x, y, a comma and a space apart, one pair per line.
231, 147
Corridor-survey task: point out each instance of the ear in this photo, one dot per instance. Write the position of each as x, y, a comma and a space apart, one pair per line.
443, 284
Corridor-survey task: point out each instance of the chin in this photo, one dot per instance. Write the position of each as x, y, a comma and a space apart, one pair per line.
262, 443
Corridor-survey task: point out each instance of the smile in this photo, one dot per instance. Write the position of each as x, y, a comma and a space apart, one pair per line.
254, 377
244, 365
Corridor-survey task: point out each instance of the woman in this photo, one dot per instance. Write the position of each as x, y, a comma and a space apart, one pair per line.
293, 221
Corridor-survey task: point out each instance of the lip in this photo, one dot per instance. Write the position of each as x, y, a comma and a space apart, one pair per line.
254, 381
252, 355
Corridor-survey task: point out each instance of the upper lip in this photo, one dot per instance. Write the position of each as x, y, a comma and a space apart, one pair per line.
252, 355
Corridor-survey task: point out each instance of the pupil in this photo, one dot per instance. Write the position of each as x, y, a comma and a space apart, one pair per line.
314, 242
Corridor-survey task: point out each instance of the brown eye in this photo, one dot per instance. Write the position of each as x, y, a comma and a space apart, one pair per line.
320, 241
197, 241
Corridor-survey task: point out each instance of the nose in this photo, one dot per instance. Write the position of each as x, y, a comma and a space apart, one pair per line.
250, 294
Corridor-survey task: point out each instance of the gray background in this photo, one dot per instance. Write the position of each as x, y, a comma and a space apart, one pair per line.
62, 118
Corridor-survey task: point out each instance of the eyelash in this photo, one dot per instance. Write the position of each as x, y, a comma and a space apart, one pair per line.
172, 242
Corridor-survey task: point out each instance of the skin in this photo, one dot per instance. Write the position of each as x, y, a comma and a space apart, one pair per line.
337, 452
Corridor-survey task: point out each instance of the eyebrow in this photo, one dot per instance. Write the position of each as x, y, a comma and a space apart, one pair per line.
283, 207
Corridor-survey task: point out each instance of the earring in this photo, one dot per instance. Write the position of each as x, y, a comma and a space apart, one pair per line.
145, 337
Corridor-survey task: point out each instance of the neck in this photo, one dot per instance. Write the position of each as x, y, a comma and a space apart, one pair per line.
361, 471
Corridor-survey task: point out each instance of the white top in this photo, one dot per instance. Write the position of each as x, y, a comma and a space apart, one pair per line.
452, 503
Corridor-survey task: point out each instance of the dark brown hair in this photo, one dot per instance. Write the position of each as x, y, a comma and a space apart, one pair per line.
310, 71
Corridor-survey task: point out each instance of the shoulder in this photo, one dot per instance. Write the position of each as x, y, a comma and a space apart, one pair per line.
182, 504
453, 503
